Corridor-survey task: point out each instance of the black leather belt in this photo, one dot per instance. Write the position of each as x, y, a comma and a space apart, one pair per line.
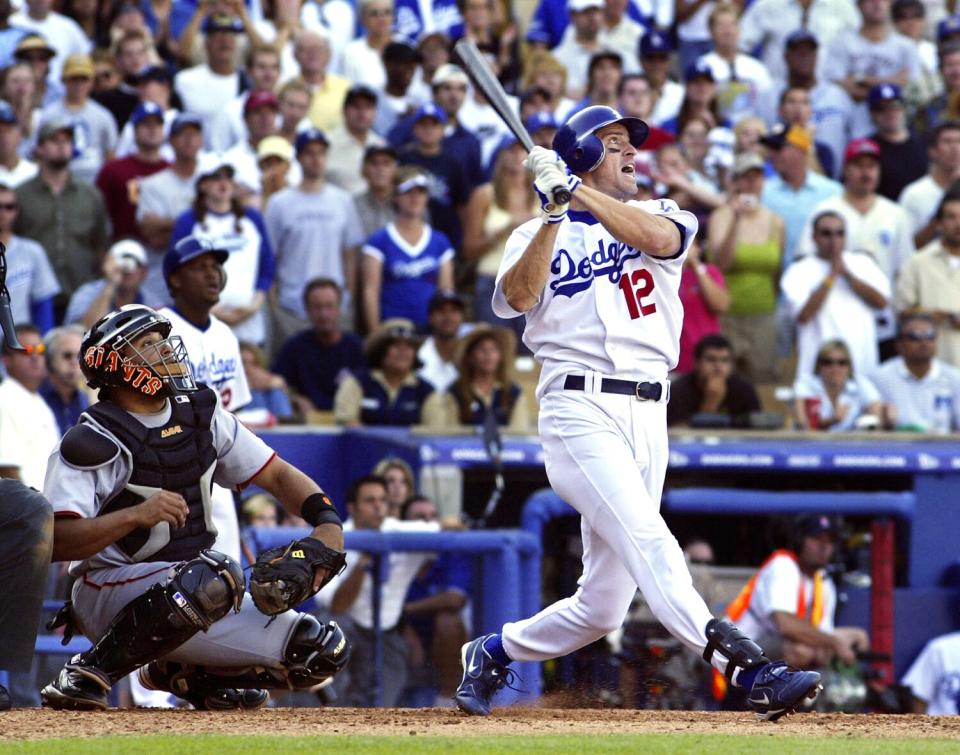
640, 391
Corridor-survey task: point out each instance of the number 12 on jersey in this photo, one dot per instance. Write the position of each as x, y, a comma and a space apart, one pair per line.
636, 286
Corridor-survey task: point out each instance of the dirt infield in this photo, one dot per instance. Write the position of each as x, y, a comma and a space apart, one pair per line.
44, 724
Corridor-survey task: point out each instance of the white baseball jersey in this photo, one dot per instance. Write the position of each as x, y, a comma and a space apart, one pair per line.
83, 492
214, 358
934, 676
606, 306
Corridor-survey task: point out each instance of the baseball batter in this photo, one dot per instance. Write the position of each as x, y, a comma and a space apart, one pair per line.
131, 490
598, 283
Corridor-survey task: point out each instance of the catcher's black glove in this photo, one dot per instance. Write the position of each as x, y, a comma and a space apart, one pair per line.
282, 577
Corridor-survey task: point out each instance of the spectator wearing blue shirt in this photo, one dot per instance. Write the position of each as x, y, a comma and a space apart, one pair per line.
63, 387
407, 260
30, 277
314, 361
795, 190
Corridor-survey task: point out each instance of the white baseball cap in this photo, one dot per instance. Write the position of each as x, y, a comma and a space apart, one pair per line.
575, 6
448, 73
129, 249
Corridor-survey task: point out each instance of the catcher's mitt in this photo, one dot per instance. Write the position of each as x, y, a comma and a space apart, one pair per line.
283, 577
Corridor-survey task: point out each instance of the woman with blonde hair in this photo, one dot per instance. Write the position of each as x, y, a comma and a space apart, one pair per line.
835, 399
548, 73
485, 387
494, 210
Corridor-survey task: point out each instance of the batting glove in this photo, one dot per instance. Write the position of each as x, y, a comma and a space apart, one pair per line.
548, 179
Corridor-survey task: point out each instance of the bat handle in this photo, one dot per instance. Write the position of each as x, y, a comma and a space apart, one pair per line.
561, 195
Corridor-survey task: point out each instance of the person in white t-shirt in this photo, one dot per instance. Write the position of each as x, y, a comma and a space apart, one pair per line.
934, 677
14, 169
742, 80
350, 597
874, 224
580, 42
437, 353
362, 57
835, 294
209, 88
28, 428
922, 197
789, 604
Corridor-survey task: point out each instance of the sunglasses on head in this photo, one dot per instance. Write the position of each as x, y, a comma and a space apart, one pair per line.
921, 335
828, 362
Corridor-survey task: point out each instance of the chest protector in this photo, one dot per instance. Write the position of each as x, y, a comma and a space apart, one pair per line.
179, 457
377, 409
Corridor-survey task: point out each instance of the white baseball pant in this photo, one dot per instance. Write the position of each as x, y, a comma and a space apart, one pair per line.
606, 455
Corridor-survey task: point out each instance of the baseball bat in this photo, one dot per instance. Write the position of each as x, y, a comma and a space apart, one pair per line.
484, 79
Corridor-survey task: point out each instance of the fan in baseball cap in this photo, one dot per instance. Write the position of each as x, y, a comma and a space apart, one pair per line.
861, 148
146, 110
430, 110
308, 136
880, 94
655, 43
813, 525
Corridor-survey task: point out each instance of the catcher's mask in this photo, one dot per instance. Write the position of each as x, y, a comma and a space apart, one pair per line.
109, 358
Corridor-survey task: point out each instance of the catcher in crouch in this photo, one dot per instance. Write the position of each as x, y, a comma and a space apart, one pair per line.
130, 487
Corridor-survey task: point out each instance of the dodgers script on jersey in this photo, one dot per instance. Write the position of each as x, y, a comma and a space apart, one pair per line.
606, 306
214, 358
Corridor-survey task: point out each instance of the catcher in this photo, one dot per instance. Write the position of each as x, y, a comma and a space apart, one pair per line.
131, 490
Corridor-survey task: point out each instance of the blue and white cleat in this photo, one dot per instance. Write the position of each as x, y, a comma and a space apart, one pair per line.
779, 689
483, 677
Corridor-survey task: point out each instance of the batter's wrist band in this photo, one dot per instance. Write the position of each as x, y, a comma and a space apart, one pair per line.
318, 509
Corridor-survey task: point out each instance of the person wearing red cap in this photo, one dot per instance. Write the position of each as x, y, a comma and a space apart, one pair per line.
874, 224
260, 119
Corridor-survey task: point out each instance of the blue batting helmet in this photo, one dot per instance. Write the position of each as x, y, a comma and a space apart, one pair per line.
189, 248
577, 142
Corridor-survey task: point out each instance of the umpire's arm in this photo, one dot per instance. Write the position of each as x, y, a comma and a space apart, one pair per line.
292, 487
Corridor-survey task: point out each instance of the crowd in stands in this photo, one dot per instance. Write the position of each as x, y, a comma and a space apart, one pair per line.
354, 172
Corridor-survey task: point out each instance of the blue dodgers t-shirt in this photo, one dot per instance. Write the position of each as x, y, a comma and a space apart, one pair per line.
314, 369
409, 271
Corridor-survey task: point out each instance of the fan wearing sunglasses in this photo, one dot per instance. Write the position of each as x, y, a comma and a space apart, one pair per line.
28, 429
923, 390
835, 293
833, 398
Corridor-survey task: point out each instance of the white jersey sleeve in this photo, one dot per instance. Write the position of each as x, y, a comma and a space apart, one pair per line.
934, 676
777, 588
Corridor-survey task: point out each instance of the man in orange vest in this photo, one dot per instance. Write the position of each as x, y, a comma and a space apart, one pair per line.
788, 605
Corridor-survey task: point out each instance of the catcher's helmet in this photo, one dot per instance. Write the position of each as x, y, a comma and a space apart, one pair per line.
108, 358
577, 142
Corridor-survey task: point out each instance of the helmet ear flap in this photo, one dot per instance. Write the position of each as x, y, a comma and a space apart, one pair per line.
588, 155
